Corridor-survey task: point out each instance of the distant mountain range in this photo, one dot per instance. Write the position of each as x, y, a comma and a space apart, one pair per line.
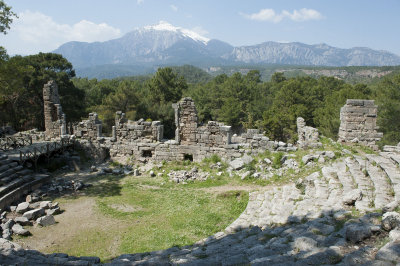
144, 50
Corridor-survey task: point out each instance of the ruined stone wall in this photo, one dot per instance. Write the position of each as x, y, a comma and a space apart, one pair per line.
138, 131
54, 118
358, 122
143, 140
89, 129
307, 136
254, 141
188, 131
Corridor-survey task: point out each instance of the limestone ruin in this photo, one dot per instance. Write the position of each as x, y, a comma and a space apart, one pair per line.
143, 140
358, 122
89, 129
308, 136
54, 118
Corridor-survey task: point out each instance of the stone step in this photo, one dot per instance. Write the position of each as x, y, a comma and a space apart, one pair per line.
7, 166
8, 179
308, 206
284, 204
382, 187
344, 177
335, 191
24, 171
363, 182
391, 170
14, 184
6, 161
4, 168
395, 157
3, 157
13, 169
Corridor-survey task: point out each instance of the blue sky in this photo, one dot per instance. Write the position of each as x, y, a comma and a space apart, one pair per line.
43, 25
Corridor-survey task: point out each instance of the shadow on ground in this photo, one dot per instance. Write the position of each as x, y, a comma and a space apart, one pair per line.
321, 241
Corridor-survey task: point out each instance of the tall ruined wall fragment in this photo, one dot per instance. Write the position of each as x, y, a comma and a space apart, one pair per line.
358, 122
308, 137
54, 118
186, 121
188, 132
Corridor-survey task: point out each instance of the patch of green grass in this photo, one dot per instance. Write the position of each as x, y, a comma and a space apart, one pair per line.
371, 204
115, 164
277, 160
339, 224
151, 216
366, 149
315, 231
381, 242
355, 213
212, 159
352, 149
175, 217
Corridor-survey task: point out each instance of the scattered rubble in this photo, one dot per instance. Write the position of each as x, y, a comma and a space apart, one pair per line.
182, 176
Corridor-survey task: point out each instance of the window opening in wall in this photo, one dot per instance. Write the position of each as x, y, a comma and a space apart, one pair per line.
188, 157
147, 153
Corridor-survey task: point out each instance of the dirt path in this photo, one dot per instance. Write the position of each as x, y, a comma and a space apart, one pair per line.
225, 188
80, 216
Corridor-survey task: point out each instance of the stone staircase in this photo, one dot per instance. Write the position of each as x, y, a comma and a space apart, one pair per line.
377, 176
16, 180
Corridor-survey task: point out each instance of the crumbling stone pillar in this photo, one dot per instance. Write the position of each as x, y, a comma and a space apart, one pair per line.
307, 136
186, 121
54, 118
358, 122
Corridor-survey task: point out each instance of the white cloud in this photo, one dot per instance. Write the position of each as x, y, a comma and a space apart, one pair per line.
174, 8
303, 14
34, 32
265, 15
139, 2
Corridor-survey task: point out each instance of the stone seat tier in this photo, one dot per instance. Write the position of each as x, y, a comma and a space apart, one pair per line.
391, 170
4, 189
382, 188
363, 182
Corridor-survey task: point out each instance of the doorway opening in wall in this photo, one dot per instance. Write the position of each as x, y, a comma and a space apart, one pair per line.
188, 157
147, 153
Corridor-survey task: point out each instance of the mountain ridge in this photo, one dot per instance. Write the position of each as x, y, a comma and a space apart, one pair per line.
164, 44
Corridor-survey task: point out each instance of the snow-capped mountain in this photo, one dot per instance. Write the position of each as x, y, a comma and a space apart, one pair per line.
150, 45
165, 44
165, 26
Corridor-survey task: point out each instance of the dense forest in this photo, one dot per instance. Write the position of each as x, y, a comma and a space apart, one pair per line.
241, 100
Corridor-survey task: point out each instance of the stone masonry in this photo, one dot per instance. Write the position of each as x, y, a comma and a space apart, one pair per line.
54, 118
189, 132
89, 129
143, 140
137, 130
308, 136
358, 122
